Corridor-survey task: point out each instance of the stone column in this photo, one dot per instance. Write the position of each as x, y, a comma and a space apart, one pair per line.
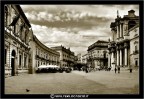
120, 57
23, 60
18, 58
117, 57
27, 62
8, 56
112, 59
125, 29
109, 60
120, 30
126, 54
117, 32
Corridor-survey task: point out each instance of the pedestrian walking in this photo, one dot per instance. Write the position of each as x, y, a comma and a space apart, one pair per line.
86, 69
115, 69
130, 69
118, 69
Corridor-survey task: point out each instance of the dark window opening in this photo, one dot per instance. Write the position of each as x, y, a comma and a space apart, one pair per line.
104, 55
131, 24
136, 63
19, 60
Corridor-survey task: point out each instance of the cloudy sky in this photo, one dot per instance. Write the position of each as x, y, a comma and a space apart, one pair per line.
74, 26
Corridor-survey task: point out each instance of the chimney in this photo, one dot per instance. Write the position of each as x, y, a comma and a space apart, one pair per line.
131, 13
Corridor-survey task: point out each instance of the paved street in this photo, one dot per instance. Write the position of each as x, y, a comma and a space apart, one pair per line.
77, 82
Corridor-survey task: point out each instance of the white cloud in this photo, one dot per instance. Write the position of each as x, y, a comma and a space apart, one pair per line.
94, 19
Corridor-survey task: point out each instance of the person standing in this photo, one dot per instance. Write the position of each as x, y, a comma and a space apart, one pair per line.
130, 68
115, 69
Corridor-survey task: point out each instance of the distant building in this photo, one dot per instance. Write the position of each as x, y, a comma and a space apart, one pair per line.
66, 56
79, 58
84, 58
98, 54
124, 47
17, 31
42, 55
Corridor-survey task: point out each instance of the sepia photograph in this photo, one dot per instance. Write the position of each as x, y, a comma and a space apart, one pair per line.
71, 51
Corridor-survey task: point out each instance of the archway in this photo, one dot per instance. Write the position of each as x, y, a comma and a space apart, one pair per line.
13, 62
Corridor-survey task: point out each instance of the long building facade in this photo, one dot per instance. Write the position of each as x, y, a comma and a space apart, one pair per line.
66, 56
97, 55
41, 55
16, 32
124, 46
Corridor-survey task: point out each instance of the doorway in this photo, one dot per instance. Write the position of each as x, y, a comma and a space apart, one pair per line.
136, 63
13, 63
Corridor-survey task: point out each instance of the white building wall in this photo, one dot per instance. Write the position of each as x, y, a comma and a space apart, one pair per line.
134, 36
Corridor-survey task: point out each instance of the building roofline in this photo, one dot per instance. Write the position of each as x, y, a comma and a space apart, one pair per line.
44, 46
22, 13
63, 48
96, 44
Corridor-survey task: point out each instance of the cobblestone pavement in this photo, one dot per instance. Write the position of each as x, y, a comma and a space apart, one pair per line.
77, 82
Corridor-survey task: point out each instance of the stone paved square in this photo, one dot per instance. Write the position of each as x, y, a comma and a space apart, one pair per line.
77, 82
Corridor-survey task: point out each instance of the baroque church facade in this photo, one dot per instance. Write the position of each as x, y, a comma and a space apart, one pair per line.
124, 46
